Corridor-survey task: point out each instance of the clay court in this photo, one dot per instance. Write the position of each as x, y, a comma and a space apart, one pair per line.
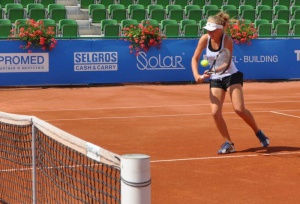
172, 124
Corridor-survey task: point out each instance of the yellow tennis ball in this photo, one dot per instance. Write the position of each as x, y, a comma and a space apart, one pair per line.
204, 63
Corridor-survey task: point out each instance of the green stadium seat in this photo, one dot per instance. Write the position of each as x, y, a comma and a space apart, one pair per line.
112, 30
164, 3
182, 3
172, 30
158, 14
145, 3
195, 14
176, 14
283, 14
296, 14
119, 14
218, 3
233, 13
265, 30
261, 7
139, 14
37, 13
66, 21
185, 22
6, 27
84, 4
267, 2
57, 14
293, 22
94, 6
296, 3
70, 30
252, 3
50, 23
226, 7
200, 3
172, 6
189, 7
15, 13
276, 8
206, 8
52, 6
26, 2
266, 14
236, 3
98, 14
282, 29
152, 22
4, 2
153, 6
284, 3
115, 6
277, 21
5, 21
5, 30
106, 3
296, 30
105, 22
211, 12
243, 7
126, 3
249, 14
12, 5
293, 9
166, 22
190, 30
260, 21
134, 6
202, 23
47, 2
127, 22
33, 5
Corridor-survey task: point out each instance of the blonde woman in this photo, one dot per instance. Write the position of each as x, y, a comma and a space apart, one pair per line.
230, 81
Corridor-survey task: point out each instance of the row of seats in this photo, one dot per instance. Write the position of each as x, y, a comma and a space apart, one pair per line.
219, 3
98, 12
14, 11
192, 28
64, 28
25, 2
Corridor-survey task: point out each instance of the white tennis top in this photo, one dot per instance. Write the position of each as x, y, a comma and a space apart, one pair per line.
211, 54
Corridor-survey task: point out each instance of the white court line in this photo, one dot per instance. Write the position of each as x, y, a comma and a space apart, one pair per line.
275, 112
141, 107
150, 116
225, 157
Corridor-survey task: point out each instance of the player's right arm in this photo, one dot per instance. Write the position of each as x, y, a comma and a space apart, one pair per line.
196, 57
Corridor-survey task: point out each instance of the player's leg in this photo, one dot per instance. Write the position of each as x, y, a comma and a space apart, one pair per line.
217, 97
237, 98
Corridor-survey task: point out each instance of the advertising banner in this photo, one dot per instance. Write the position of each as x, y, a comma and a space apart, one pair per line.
108, 61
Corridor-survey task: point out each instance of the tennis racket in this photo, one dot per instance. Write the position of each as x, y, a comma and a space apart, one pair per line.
221, 62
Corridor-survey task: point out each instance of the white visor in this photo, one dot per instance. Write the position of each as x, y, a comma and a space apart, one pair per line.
212, 26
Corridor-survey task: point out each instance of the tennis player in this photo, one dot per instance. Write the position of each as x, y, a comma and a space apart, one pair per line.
230, 81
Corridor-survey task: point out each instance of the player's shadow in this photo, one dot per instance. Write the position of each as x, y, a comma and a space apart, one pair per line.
272, 149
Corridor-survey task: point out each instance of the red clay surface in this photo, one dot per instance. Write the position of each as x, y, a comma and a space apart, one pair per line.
172, 124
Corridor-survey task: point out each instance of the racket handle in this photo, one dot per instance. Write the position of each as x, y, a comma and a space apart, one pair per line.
209, 72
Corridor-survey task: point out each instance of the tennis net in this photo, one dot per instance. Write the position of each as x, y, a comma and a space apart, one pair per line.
40, 163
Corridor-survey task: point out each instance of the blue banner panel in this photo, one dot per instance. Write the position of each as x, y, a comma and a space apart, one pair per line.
108, 61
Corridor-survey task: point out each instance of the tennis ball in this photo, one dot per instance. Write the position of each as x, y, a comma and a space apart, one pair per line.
204, 63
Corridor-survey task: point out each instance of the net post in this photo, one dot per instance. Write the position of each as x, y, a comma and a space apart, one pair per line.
33, 163
135, 179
